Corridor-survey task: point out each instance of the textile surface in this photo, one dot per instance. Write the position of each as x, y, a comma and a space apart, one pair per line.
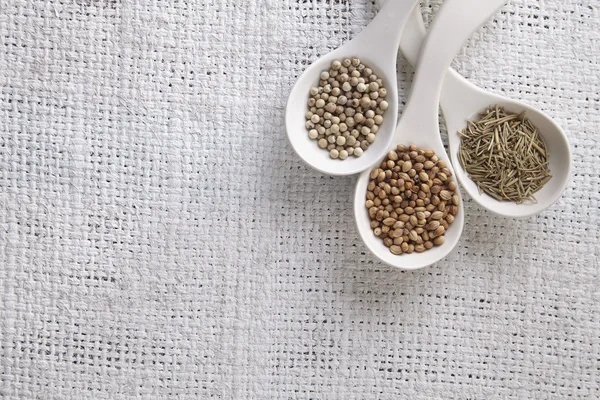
159, 238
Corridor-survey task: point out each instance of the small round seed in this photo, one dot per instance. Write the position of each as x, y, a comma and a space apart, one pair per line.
433, 225
446, 195
413, 235
397, 250
389, 221
437, 215
439, 231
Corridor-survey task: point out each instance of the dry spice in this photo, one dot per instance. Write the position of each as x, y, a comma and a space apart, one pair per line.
346, 109
411, 200
504, 154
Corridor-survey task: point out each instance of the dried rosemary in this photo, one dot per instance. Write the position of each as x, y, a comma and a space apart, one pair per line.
504, 154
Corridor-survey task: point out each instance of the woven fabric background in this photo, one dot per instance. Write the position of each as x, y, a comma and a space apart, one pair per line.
159, 238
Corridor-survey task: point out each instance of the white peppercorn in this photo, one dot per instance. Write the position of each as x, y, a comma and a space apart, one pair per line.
345, 111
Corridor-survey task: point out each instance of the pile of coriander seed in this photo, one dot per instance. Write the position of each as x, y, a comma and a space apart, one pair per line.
346, 109
411, 200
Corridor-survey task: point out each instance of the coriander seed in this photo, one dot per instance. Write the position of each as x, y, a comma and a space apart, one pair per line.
404, 211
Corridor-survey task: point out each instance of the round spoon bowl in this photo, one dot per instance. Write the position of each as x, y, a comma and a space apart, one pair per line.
560, 162
308, 149
404, 261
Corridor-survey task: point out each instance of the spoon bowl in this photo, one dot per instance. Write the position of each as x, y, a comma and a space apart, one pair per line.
376, 46
375, 245
461, 101
455, 22
306, 148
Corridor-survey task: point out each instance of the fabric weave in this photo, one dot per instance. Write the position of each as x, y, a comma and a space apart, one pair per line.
159, 238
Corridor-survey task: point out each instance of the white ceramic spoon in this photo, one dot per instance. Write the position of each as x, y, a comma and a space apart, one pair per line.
454, 23
377, 46
461, 101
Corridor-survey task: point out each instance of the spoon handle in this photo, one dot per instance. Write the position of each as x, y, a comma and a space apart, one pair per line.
454, 23
381, 38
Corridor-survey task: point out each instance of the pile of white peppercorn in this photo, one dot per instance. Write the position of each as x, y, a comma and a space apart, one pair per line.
346, 109
411, 200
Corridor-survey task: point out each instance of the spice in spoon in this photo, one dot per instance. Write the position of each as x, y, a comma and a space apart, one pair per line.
504, 154
411, 200
346, 109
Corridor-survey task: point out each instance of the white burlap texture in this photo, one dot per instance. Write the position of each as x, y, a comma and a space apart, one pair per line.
159, 238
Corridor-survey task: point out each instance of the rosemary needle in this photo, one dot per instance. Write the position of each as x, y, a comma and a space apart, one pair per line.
504, 154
